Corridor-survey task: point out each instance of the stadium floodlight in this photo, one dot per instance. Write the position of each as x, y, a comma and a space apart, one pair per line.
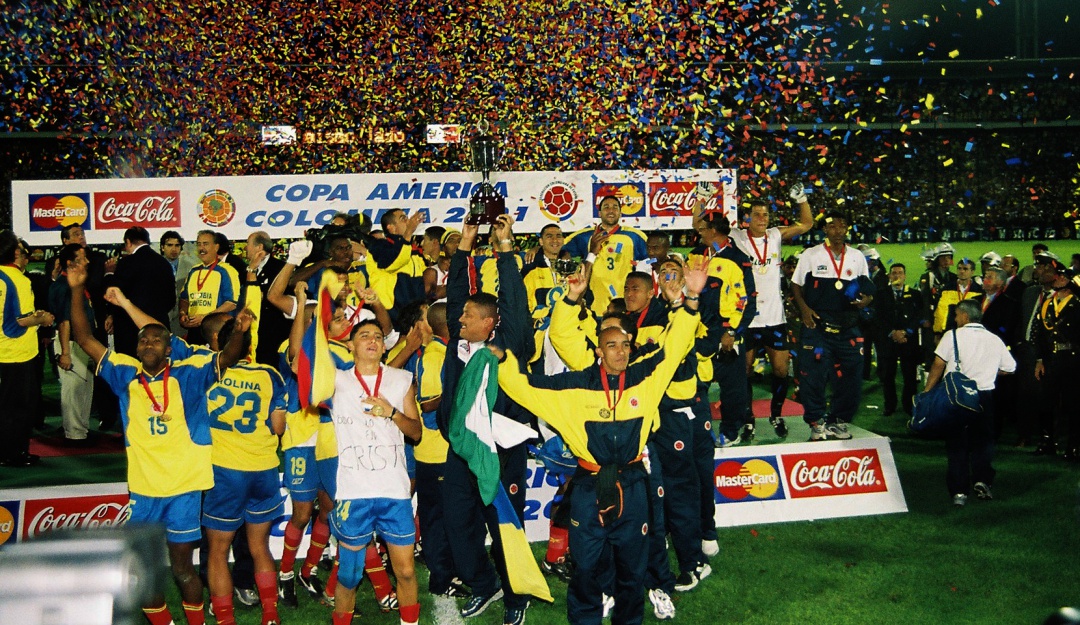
94, 577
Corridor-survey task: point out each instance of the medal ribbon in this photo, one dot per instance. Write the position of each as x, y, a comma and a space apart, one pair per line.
607, 389
153, 400
764, 257
839, 268
378, 382
200, 281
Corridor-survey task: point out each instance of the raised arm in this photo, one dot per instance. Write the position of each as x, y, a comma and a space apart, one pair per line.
80, 324
513, 329
806, 217
116, 297
233, 350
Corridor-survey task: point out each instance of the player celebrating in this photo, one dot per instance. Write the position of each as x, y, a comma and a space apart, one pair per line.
168, 441
768, 330
620, 247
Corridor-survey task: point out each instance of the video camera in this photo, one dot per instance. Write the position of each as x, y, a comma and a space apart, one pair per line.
355, 229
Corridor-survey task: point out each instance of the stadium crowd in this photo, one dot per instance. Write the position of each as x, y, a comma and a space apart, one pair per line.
370, 356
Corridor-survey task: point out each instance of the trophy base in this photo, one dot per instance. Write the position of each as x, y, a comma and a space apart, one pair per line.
485, 206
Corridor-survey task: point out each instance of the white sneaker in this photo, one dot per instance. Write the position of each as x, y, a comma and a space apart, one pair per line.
662, 607
703, 571
818, 432
838, 430
710, 548
609, 605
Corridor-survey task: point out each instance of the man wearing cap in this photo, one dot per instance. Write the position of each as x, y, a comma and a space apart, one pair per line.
831, 285
763, 245
1056, 335
986, 261
931, 285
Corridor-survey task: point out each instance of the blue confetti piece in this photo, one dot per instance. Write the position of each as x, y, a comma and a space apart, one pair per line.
611, 289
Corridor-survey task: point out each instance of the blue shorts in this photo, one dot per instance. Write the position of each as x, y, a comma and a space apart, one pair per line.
772, 337
328, 475
242, 496
302, 474
355, 522
179, 513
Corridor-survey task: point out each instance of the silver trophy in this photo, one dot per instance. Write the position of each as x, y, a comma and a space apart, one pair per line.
485, 204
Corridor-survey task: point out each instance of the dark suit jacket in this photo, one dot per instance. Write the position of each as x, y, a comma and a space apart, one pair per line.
1001, 317
273, 327
904, 313
146, 278
1031, 298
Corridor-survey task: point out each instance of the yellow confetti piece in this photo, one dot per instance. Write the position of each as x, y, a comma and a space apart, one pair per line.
954, 54
929, 101
978, 15
948, 162
903, 127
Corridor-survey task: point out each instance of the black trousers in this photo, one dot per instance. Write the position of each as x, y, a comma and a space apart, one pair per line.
970, 450
909, 355
18, 386
430, 512
469, 521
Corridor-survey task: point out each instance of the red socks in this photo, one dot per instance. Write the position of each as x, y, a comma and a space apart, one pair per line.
320, 535
158, 615
223, 609
410, 614
266, 582
293, 536
194, 613
376, 572
342, 618
558, 541
331, 581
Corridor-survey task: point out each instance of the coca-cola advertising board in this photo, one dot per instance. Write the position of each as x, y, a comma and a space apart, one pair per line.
73, 513
120, 210
806, 481
680, 199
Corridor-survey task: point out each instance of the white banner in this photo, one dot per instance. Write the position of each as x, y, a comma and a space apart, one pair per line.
286, 206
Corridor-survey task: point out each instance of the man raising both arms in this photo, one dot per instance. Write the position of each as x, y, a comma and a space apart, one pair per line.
167, 429
768, 330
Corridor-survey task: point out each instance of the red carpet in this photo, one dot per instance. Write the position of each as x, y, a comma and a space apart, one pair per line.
761, 409
52, 447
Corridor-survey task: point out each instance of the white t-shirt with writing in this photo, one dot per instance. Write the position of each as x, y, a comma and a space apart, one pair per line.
765, 254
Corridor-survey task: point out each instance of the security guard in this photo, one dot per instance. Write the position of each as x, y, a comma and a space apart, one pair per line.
605, 415
899, 310
1056, 333
831, 285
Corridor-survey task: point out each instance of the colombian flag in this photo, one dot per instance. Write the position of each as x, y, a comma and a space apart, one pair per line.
472, 437
315, 371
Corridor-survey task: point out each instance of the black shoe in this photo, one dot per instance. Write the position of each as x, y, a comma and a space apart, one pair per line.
558, 569
21, 461
286, 591
247, 597
778, 426
326, 563
313, 585
515, 616
455, 589
478, 603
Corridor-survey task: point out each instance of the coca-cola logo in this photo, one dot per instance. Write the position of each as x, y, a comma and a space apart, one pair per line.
824, 474
679, 199
119, 210
74, 513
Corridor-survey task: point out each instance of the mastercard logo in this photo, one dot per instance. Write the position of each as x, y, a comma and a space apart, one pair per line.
631, 198
747, 480
53, 212
7, 525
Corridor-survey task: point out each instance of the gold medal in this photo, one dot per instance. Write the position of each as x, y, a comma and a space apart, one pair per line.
605, 413
164, 417
377, 410
839, 285
762, 269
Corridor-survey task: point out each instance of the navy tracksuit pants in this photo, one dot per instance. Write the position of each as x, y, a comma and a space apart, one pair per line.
835, 356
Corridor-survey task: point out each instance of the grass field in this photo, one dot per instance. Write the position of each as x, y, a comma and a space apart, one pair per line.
1012, 560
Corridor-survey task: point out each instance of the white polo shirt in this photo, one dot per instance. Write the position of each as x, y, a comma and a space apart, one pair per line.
982, 354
